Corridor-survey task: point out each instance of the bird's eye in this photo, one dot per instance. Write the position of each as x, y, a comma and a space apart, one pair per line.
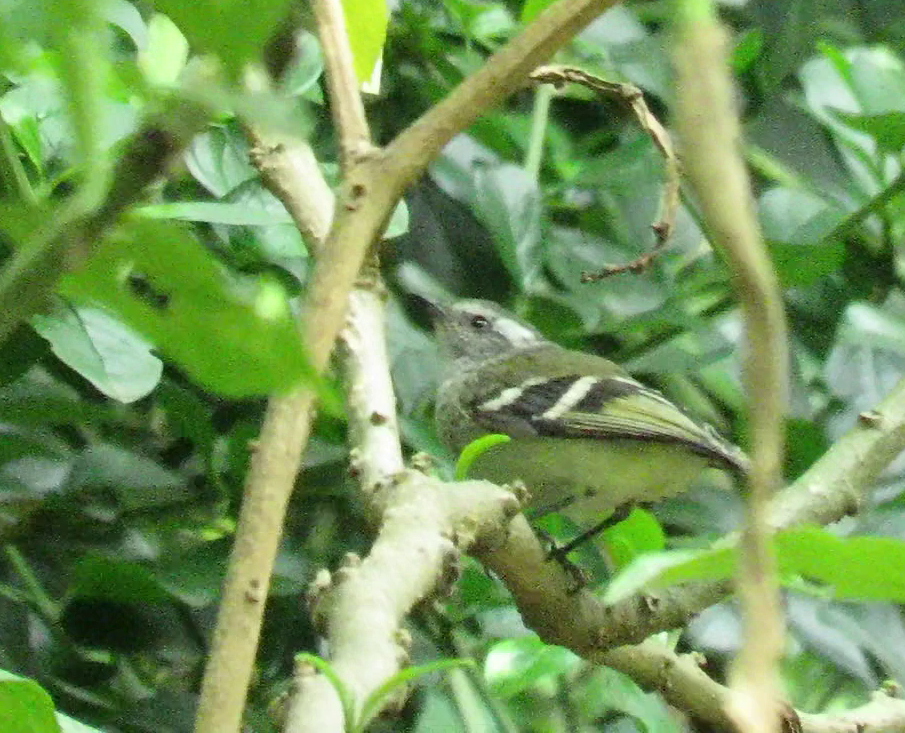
479, 322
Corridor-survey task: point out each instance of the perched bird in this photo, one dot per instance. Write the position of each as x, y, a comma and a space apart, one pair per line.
586, 438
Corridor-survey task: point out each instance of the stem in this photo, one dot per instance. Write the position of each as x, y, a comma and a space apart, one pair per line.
539, 118
46, 606
12, 169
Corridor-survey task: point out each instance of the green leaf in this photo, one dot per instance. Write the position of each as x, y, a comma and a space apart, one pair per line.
125, 16
515, 665
366, 25
26, 708
166, 53
747, 49
218, 159
532, 8
608, 690
853, 568
98, 577
668, 568
795, 223
234, 30
83, 67
216, 212
236, 337
636, 535
507, 201
887, 128
867, 359
194, 576
399, 221
66, 724
138, 481
302, 76
474, 450
107, 353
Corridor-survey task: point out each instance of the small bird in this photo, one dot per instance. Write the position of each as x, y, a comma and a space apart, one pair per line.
587, 439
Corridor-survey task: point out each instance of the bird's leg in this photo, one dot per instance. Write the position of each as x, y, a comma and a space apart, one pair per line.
620, 513
554, 552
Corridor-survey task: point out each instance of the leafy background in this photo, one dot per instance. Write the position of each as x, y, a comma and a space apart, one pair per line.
127, 406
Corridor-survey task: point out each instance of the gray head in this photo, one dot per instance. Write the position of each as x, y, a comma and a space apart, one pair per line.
478, 329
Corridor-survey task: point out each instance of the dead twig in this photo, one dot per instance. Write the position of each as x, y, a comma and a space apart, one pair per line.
633, 98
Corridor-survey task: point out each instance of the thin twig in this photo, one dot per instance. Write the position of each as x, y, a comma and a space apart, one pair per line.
710, 134
631, 96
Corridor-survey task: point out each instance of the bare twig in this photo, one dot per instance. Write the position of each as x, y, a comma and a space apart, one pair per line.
631, 96
710, 135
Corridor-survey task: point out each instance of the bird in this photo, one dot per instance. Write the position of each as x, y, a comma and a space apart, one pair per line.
587, 439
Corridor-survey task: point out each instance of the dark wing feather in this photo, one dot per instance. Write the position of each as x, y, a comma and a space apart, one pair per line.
613, 406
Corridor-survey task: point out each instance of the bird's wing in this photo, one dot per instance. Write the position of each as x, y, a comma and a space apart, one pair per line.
607, 405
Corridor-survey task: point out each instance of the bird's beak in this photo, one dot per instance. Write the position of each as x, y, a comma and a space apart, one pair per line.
435, 311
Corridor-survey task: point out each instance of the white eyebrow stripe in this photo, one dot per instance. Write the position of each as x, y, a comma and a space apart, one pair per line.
572, 396
509, 395
515, 333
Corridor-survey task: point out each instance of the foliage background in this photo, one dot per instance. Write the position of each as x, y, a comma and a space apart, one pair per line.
125, 434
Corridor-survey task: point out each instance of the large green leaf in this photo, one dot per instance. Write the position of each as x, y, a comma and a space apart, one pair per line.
848, 568
104, 351
867, 359
513, 665
507, 201
795, 223
366, 26
852, 568
26, 708
236, 337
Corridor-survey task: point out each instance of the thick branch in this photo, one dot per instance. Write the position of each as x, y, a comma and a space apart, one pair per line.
415, 555
290, 172
371, 188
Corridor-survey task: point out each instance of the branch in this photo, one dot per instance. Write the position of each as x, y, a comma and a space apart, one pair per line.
710, 134
371, 187
631, 96
684, 685
828, 491
542, 591
414, 556
290, 172
345, 99
504, 73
